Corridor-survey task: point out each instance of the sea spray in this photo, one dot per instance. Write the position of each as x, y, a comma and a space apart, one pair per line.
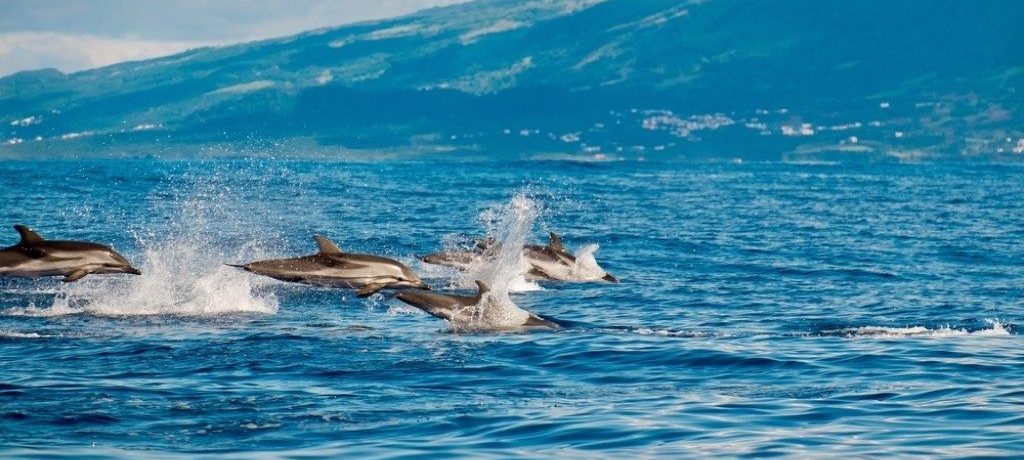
180, 277
183, 271
586, 267
503, 264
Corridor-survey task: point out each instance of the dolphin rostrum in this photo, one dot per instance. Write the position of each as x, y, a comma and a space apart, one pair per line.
551, 263
35, 257
478, 312
332, 267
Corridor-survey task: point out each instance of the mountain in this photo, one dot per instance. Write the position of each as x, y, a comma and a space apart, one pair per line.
648, 78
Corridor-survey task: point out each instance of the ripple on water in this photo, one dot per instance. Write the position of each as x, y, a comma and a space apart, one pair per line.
765, 309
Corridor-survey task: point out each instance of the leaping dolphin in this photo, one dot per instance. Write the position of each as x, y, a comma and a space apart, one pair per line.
551, 263
332, 267
462, 260
476, 312
35, 257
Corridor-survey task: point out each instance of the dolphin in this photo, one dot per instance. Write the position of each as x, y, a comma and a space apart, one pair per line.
35, 257
554, 263
463, 260
471, 312
332, 267
548, 263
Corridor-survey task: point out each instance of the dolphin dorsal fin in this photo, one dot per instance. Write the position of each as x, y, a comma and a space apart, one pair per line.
27, 235
327, 246
555, 243
483, 289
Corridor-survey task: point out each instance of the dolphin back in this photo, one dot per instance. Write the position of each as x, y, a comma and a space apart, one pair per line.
439, 305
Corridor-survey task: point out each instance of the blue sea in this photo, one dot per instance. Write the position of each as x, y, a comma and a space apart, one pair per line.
765, 309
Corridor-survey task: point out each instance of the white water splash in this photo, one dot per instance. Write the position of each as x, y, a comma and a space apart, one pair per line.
586, 268
179, 278
503, 265
519, 283
998, 329
8, 334
182, 274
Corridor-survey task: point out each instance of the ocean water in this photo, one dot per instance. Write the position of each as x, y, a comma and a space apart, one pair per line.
764, 309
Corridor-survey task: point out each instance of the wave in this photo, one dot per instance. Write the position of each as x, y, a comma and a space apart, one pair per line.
594, 158
653, 332
7, 335
670, 333
997, 329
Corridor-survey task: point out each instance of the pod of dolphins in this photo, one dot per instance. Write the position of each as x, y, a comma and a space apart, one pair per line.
35, 257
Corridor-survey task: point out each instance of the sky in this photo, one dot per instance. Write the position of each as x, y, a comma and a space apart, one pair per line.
75, 35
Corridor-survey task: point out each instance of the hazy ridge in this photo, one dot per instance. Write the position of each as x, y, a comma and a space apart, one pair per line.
616, 78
